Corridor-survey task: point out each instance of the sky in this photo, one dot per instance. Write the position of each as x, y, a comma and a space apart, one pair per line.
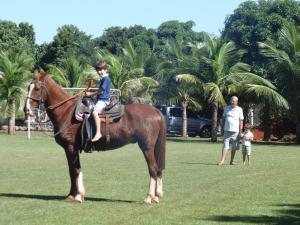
94, 16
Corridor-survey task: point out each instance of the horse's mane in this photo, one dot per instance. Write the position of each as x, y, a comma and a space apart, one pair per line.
53, 84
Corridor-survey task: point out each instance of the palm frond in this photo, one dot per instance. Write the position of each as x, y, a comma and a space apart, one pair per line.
267, 94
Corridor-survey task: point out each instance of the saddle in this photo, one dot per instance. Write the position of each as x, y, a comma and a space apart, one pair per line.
112, 113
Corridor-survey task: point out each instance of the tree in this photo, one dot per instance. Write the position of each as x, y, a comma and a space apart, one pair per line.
115, 38
15, 69
69, 42
188, 85
72, 73
254, 22
174, 29
17, 38
223, 74
284, 62
132, 82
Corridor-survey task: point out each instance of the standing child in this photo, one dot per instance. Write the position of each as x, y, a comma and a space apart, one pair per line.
247, 136
103, 96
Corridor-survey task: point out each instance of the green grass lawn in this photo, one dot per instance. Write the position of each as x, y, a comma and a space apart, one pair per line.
34, 180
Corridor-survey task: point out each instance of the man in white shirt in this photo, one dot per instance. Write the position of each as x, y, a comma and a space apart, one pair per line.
232, 126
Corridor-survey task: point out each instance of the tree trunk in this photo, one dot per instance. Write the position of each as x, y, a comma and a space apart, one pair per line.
214, 122
12, 119
267, 122
298, 132
184, 119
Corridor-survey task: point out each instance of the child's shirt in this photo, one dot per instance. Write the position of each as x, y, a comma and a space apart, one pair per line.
248, 136
104, 85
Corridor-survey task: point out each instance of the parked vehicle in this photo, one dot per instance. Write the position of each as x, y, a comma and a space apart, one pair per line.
196, 125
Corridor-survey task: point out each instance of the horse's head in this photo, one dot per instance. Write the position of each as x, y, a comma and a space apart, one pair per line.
36, 92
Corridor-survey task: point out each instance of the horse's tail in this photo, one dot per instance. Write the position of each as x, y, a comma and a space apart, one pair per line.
160, 146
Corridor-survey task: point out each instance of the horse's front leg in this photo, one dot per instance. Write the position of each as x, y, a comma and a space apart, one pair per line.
77, 191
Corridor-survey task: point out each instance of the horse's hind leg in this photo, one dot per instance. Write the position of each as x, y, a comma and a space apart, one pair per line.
159, 185
152, 167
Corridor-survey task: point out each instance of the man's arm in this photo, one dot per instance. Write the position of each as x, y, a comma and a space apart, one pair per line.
241, 125
222, 126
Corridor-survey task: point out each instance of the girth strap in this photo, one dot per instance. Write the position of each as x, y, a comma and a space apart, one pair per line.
107, 129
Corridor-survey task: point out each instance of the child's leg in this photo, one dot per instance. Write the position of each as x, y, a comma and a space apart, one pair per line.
244, 158
244, 154
248, 158
98, 126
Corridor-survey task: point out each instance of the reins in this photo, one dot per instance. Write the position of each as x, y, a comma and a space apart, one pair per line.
64, 101
72, 97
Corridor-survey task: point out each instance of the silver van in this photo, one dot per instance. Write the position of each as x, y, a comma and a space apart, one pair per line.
196, 125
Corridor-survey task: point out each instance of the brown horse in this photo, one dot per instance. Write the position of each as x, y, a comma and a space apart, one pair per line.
140, 123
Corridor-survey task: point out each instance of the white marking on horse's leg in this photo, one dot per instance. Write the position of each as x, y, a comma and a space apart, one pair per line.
81, 191
159, 187
151, 194
152, 186
78, 198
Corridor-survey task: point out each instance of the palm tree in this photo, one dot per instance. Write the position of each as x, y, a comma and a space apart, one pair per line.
76, 72
15, 70
224, 74
72, 73
283, 57
187, 86
128, 78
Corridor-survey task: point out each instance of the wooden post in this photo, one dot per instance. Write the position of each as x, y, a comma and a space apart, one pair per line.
28, 126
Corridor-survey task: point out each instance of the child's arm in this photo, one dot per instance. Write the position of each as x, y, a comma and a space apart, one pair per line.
89, 93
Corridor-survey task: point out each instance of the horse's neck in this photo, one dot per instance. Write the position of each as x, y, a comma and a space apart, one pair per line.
56, 95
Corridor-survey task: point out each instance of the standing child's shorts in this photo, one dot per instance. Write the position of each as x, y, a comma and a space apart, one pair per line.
246, 150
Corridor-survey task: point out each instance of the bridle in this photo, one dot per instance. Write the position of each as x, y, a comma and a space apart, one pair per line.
40, 101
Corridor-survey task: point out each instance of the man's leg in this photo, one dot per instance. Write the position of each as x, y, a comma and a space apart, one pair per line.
98, 126
225, 148
235, 146
223, 156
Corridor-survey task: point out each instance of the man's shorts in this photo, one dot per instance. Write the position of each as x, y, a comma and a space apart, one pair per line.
246, 150
100, 105
231, 139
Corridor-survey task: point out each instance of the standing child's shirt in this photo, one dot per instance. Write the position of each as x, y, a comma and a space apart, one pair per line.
247, 137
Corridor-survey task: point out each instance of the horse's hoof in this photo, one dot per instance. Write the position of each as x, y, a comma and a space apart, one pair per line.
69, 198
155, 199
148, 200
160, 194
79, 198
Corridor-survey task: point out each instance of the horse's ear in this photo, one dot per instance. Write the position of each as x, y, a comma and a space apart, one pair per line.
36, 74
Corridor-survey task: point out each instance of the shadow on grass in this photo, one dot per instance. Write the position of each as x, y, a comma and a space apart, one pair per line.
220, 141
191, 140
199, 163
290, 215
57, 197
